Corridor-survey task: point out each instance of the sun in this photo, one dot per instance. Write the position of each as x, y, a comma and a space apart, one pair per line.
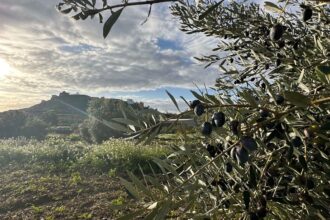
4, 68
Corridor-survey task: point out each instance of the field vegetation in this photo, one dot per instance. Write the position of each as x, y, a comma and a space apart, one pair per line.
65, 178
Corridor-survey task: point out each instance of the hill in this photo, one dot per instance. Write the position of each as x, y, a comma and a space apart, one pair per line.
64, 112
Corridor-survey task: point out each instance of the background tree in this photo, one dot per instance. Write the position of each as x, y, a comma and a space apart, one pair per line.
11, 123
101, 112
34, 128
50, 117
265, 136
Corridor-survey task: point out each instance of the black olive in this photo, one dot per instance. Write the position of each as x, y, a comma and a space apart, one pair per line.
206, 128
302, 161
194, 103
278, 62
252, 178
262, 212
199, 109
223, 185
226, 203
248, 143
228, 167
296, 141
281, 44
279, 99
246, 199
307, 14
264, 113
276, 32
242, 155
211, 149
292, 190
235, 127
310, 183
262, 201
270, 181
218, 119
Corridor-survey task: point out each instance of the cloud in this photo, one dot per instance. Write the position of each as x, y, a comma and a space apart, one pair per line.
50, 52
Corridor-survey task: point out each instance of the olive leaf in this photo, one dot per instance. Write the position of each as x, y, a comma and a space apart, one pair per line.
173, 100
110, 22
209, 10
272, 7
297, 99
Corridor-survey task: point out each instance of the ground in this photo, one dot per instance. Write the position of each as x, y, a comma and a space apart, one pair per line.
36, 184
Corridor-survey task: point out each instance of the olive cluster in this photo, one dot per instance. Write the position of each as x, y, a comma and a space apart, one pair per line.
218, 118
272, 37
292, 185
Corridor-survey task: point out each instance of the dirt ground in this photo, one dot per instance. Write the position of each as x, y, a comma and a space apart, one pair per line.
29, 194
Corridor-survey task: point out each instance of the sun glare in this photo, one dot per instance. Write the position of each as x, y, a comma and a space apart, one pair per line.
4, 67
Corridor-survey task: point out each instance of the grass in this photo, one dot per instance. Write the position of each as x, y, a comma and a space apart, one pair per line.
62, 178
58, 154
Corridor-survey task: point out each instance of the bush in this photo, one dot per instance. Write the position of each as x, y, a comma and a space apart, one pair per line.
101, 111
84, 132
11, 123
34, 128
62, 155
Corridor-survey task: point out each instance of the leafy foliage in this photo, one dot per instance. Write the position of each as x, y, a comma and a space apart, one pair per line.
105, 119
271, 156
17, 123
59, 154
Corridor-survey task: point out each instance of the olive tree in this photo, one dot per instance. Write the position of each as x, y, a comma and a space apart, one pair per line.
262, 147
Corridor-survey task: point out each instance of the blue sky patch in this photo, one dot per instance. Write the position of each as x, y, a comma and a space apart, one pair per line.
168, 44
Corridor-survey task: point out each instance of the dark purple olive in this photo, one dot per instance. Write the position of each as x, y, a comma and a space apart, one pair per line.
218, 119
296, 141
199, 109
228, 167
246, 199
262, 213
264, 113
310, 183
307, 14
248, 143
279, 99
242, 155
235, 127
194, 103
276, 32
211, 149
278, 62
206, 128
281, 44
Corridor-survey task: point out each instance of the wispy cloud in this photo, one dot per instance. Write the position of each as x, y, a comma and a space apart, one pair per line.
51, 52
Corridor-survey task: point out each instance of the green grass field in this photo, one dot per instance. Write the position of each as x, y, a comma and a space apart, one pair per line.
64, 179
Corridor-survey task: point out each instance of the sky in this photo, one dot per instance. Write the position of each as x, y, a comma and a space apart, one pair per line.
43, 52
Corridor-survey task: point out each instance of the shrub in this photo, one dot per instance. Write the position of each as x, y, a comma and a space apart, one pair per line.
34, 128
